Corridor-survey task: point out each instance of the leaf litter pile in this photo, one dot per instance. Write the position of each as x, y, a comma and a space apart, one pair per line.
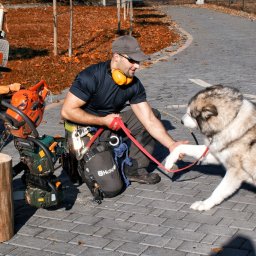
30, 37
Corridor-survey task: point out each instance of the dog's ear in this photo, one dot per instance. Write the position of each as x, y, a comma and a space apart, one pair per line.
208, 112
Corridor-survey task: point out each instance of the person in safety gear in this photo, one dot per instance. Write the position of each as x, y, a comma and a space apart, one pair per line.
99, 94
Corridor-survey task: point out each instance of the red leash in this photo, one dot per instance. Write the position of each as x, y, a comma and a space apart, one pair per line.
95, 136
119, 122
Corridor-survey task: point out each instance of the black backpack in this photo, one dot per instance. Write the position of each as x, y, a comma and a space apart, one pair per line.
100, 168
100, 172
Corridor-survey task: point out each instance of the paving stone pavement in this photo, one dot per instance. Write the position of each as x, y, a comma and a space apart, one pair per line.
156, 219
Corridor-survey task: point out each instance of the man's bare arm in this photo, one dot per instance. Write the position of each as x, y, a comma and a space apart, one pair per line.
154, 126
72, 111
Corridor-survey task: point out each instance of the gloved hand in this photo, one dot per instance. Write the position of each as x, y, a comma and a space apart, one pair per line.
115, 124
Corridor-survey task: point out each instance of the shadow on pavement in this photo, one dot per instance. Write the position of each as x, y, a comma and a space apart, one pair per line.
242, 243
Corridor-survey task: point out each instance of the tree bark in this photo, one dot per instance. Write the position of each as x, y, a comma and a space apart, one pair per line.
131, 17
118, 3
6, 198
55, 26
70, 29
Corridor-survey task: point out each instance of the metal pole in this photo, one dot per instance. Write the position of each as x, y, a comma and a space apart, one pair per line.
55, 37
70, 29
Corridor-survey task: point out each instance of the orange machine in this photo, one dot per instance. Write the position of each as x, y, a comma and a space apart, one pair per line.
30, 102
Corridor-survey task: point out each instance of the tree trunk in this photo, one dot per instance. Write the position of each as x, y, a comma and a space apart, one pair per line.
131, 17
70, 29
55, 37
118, 3
124, 6
6, 198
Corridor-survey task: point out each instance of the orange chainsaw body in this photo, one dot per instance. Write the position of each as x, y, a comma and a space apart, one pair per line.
31, 103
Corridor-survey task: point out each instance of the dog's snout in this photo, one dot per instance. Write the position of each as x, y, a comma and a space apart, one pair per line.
188, 121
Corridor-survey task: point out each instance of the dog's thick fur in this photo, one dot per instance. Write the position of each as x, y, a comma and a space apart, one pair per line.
228, 122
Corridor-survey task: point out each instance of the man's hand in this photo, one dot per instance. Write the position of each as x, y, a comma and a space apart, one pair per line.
109, 122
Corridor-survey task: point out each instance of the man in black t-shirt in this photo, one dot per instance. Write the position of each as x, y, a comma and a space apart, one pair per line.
100, 92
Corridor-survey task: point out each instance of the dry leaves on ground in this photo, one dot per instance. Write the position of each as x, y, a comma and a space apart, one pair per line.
94, 28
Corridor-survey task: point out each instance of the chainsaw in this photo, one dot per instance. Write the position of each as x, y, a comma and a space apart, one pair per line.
38, 154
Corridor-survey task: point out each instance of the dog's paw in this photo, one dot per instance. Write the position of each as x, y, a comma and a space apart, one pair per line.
201, 206
170, 160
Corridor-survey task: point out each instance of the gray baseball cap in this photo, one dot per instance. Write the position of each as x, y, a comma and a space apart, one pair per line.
129, 45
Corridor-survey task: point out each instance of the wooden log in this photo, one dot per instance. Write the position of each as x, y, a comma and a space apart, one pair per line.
5, 89
14, 87
6, 199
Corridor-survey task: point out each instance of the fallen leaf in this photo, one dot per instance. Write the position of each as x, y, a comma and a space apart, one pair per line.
217, 249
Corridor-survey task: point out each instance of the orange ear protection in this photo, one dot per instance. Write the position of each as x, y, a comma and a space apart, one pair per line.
120, 78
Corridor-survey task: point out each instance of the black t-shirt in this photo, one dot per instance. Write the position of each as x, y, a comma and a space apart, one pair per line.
95, 86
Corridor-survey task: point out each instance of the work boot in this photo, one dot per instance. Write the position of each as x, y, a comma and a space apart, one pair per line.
142, 176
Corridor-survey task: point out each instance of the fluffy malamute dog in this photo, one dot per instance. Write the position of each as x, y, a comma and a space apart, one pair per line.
228, 122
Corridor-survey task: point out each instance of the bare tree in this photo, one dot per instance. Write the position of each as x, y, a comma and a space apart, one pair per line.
118, 3
55, 36
70, 29
128, 10
131, 17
